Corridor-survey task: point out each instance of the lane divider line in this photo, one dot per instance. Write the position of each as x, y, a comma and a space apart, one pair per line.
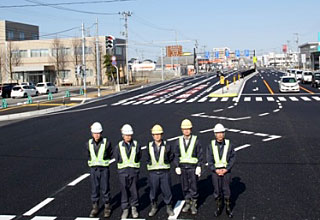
306, 90
268, 87
38, 207
79, 179
177, 209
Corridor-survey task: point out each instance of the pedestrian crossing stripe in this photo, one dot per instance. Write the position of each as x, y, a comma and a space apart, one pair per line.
224, 99
7, 217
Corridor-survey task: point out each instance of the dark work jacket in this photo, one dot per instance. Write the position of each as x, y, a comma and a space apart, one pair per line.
168, 155
118, 158
231, 155
96, 146
197, 152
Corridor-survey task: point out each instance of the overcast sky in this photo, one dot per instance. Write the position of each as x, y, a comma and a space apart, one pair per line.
237, 24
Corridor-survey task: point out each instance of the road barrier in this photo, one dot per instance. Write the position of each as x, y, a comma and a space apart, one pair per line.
81, 92
4, 103
29, 101
67, 95
50, 97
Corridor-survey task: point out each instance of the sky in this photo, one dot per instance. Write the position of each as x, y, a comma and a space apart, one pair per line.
238, 24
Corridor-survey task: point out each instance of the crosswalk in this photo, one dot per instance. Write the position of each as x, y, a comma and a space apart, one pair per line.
176, 100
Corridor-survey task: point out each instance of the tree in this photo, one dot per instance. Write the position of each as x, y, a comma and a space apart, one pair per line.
12, 59
77, 55
59, 59
111, 71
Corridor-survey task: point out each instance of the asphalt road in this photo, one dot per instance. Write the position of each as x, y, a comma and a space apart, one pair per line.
276, 175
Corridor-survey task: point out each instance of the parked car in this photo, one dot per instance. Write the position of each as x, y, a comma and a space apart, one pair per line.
46, 87
315, 82
288, 84
5, 89
306, 77
23, 91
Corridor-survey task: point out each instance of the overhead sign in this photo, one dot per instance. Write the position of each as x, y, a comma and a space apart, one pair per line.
319, 41
246, 53
217, 54
207, 54
227, 53
174, 51
237, 53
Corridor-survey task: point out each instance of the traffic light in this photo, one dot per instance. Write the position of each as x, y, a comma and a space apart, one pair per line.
109, 42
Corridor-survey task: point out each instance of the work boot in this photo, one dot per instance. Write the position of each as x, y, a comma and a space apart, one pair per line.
95, 210
134, 212
125, 214
154, 209
169, 210
194, 210
219, 207
107, 210
228, 208
187, 206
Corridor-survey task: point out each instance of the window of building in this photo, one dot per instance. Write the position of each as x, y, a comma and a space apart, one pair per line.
35, 37
118, 50
66, 51
89, 72
87, 50
23, 53
10, 35
21, 35
39, 52
35, 53
64, 74
44, 52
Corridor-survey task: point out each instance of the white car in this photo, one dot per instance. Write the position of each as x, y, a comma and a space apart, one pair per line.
306, 77
288, 84
23, 91
46, 87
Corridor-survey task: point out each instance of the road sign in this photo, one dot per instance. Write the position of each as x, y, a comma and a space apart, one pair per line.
237, 53
254, 59
227, 53
246, 53
217, 54
207, 54
319, 41
114, 63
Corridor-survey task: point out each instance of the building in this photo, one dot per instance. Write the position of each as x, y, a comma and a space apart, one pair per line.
309, 55
31, 59
279, 60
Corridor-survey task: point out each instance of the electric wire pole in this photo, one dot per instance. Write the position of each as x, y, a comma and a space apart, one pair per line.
125, 16
98, 60
84, 62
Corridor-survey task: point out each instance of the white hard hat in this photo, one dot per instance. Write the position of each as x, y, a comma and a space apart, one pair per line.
219, 128
96, 128
186, 124
127, 129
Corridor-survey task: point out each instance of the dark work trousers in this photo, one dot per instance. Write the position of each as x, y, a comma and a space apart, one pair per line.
189, 183
221, 185
129, 190
100, 181
160, 180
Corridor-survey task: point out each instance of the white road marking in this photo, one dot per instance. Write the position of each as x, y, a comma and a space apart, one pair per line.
232, 106
144, 147
44, 218
304, 98
84, 218
276, 110
235, 99
79, 179
139, 102
203, 99
282, 99
259, 99
205, 131
247, 99
261, 134
177, 209
170, 101
292, 98
192, 100
172, 139
181, 100
242, 147
280, 107
246, 132
7, 217
213, 99
38, 207
317, 98
160, 101
218, 110
149, 102
224, 99
271, 137
128, 103
264, 114
233, 130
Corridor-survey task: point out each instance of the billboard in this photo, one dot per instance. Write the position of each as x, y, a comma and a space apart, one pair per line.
174, 51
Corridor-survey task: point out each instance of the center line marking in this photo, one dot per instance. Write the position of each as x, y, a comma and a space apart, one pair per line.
38, 207
79, 179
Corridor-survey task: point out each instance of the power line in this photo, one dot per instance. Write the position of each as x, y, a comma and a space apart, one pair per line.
62, 3
69, 9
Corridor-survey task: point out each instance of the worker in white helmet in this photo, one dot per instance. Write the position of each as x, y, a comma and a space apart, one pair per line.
128, 155
159, 155
99, 155
188, 161
221, 157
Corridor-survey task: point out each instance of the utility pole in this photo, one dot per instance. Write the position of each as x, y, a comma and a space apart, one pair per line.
98, 60
84, 62
162, 72
125, 16
196, 67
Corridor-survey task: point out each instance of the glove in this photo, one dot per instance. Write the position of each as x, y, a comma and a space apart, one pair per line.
178, 171
198, 171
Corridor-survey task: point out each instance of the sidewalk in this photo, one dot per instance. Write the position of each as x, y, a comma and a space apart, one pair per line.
233, 90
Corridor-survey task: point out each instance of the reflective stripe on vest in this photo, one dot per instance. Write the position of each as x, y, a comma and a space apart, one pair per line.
98, 160
186, 157
220, 163
128, 162
157, 165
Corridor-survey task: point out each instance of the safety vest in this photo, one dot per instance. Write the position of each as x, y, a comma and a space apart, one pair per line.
157, 165
219, 163
98, 160
128, 162
186, 157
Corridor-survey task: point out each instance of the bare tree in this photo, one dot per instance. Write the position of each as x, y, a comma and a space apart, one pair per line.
76, 55
12, 59
2, 61
59, 59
